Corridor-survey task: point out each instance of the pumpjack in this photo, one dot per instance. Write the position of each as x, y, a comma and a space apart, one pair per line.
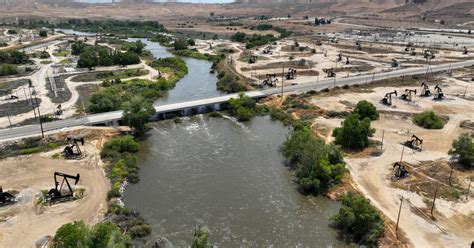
407, 95
270, 81
267, 50
439, 95
291, 74
400, 171
429, 54
59, 110
6, 198
425, 90
465, 51
56, 194
387, 100
330, 72
358, 45
252, 59
12, 97
415, 143
73, 143
395, 63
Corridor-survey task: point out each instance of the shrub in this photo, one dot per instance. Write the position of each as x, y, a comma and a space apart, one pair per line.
102, 235
120, 144
200, 238
463, 149
243, 108
318, 166
366, 109
32, 150
359, 220
229, 84
354, 132
428, 120
180, 44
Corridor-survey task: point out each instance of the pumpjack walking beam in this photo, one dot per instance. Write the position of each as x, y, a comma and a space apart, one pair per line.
55, 193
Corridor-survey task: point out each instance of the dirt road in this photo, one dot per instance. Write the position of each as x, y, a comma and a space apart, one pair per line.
21, 225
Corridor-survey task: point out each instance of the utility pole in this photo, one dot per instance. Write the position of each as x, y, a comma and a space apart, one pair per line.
451, 174
39, 116
26, 97
398, 218
403, 149
9, 121
31, 100
434, 200
468, 189
282, 80
383, 134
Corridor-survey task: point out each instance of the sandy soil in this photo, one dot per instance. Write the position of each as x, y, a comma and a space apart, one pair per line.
371, 174
23, 223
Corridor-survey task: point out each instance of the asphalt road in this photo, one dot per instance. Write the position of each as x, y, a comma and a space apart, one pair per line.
34, 130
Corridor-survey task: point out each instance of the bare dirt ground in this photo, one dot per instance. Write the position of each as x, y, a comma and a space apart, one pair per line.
453, 220
23, 223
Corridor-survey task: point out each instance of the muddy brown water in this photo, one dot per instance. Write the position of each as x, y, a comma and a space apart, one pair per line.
225, 175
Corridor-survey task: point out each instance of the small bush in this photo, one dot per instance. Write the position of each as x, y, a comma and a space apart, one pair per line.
366, 109
463, 150
121, 144
428, 120
32, 150
359, 220
354, 132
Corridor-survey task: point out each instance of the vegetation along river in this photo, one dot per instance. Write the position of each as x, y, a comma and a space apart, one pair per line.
225, 175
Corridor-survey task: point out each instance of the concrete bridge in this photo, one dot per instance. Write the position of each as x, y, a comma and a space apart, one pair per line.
217, 103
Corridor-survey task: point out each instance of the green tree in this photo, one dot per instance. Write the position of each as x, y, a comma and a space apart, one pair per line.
180, 44
238, 37
359, 220
138, 113
7, 69
463, 149
354, 132
229, 84
200, 238
102, 235
106, 234
191, 42
137, 47
104, 101
243, 107
71, 235
318, 166
43, 33
88, 59
366, 109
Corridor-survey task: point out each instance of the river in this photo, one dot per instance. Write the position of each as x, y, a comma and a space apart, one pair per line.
225, 175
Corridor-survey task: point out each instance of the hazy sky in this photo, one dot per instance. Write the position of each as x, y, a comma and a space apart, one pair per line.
192, 1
